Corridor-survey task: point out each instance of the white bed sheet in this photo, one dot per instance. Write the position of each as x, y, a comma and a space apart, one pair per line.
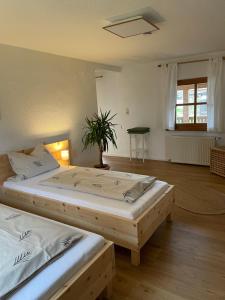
46, 282
107, 205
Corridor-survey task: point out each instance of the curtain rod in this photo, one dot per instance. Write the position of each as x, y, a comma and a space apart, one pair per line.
191, 61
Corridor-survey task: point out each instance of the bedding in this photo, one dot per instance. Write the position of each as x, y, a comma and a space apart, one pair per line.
27, 243
105, 205
55, 274
39, 161
126, 187
46, 282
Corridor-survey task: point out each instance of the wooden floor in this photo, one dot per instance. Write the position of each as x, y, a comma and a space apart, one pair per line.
183, 260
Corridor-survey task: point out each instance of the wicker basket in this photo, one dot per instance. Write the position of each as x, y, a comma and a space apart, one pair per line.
217, 161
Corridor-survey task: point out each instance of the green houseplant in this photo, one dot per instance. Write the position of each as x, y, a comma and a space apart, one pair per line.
100, 130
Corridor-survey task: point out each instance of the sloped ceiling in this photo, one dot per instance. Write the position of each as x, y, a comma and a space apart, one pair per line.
74, 28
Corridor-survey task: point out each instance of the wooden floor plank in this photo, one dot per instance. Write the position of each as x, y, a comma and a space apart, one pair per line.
185, 259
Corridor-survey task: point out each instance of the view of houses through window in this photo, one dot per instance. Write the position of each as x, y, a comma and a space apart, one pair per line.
191, 105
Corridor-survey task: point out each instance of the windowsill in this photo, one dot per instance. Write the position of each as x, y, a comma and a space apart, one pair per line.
192, 130
185, 130
191, 127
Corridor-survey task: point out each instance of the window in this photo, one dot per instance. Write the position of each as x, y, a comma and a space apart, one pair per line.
191, 104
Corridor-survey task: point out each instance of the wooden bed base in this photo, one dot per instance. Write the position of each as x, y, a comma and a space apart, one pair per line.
93, 280
131, 234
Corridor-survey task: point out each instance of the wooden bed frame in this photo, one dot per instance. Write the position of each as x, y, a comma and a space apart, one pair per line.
96, 276
131, 234
93, 279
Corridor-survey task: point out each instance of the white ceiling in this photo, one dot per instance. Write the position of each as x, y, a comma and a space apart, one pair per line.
74, 28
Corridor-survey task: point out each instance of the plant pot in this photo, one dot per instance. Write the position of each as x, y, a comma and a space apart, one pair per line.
104, 167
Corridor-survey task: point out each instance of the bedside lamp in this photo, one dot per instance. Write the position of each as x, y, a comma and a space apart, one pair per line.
65, 155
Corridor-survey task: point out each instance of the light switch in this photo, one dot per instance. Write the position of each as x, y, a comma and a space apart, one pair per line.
127, 111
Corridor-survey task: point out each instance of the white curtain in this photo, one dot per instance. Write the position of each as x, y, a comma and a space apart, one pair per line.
216, 101
169, 94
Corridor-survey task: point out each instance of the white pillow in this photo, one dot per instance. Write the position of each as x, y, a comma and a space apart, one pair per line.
45, 156
38, 162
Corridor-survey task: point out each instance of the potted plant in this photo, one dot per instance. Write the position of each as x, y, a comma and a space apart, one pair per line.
100, 130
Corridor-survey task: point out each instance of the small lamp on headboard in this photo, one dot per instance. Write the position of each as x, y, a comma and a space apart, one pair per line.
60, 151
65, 155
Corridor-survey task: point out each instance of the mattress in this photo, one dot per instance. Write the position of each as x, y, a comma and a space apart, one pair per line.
46, 282
107, 205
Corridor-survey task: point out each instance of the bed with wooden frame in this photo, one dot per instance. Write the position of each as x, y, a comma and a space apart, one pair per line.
131, 234
95, 274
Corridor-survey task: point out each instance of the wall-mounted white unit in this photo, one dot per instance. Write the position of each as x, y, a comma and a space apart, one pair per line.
191, 149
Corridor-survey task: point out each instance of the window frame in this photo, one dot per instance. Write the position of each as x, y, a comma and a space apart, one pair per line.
191, 126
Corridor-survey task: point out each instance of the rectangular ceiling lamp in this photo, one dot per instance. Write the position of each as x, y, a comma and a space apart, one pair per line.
131, 27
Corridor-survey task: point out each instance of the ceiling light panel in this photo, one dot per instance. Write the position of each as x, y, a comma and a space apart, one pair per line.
131, 27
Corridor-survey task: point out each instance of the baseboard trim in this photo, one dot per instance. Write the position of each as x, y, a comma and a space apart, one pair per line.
125, 156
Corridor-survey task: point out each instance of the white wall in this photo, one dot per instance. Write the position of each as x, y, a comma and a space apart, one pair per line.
137, 88
43, 96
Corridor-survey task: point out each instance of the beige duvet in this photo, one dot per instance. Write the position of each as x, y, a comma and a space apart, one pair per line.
110, 184
27, 243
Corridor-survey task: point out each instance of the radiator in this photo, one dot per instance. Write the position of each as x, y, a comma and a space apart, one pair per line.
191, 150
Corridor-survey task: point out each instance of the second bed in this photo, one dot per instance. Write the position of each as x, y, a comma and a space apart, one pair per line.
128, 225
87, 261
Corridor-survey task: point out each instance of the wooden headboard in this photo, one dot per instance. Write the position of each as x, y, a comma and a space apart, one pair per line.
54, 148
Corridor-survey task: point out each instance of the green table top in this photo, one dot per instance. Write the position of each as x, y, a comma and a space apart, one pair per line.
138, 130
